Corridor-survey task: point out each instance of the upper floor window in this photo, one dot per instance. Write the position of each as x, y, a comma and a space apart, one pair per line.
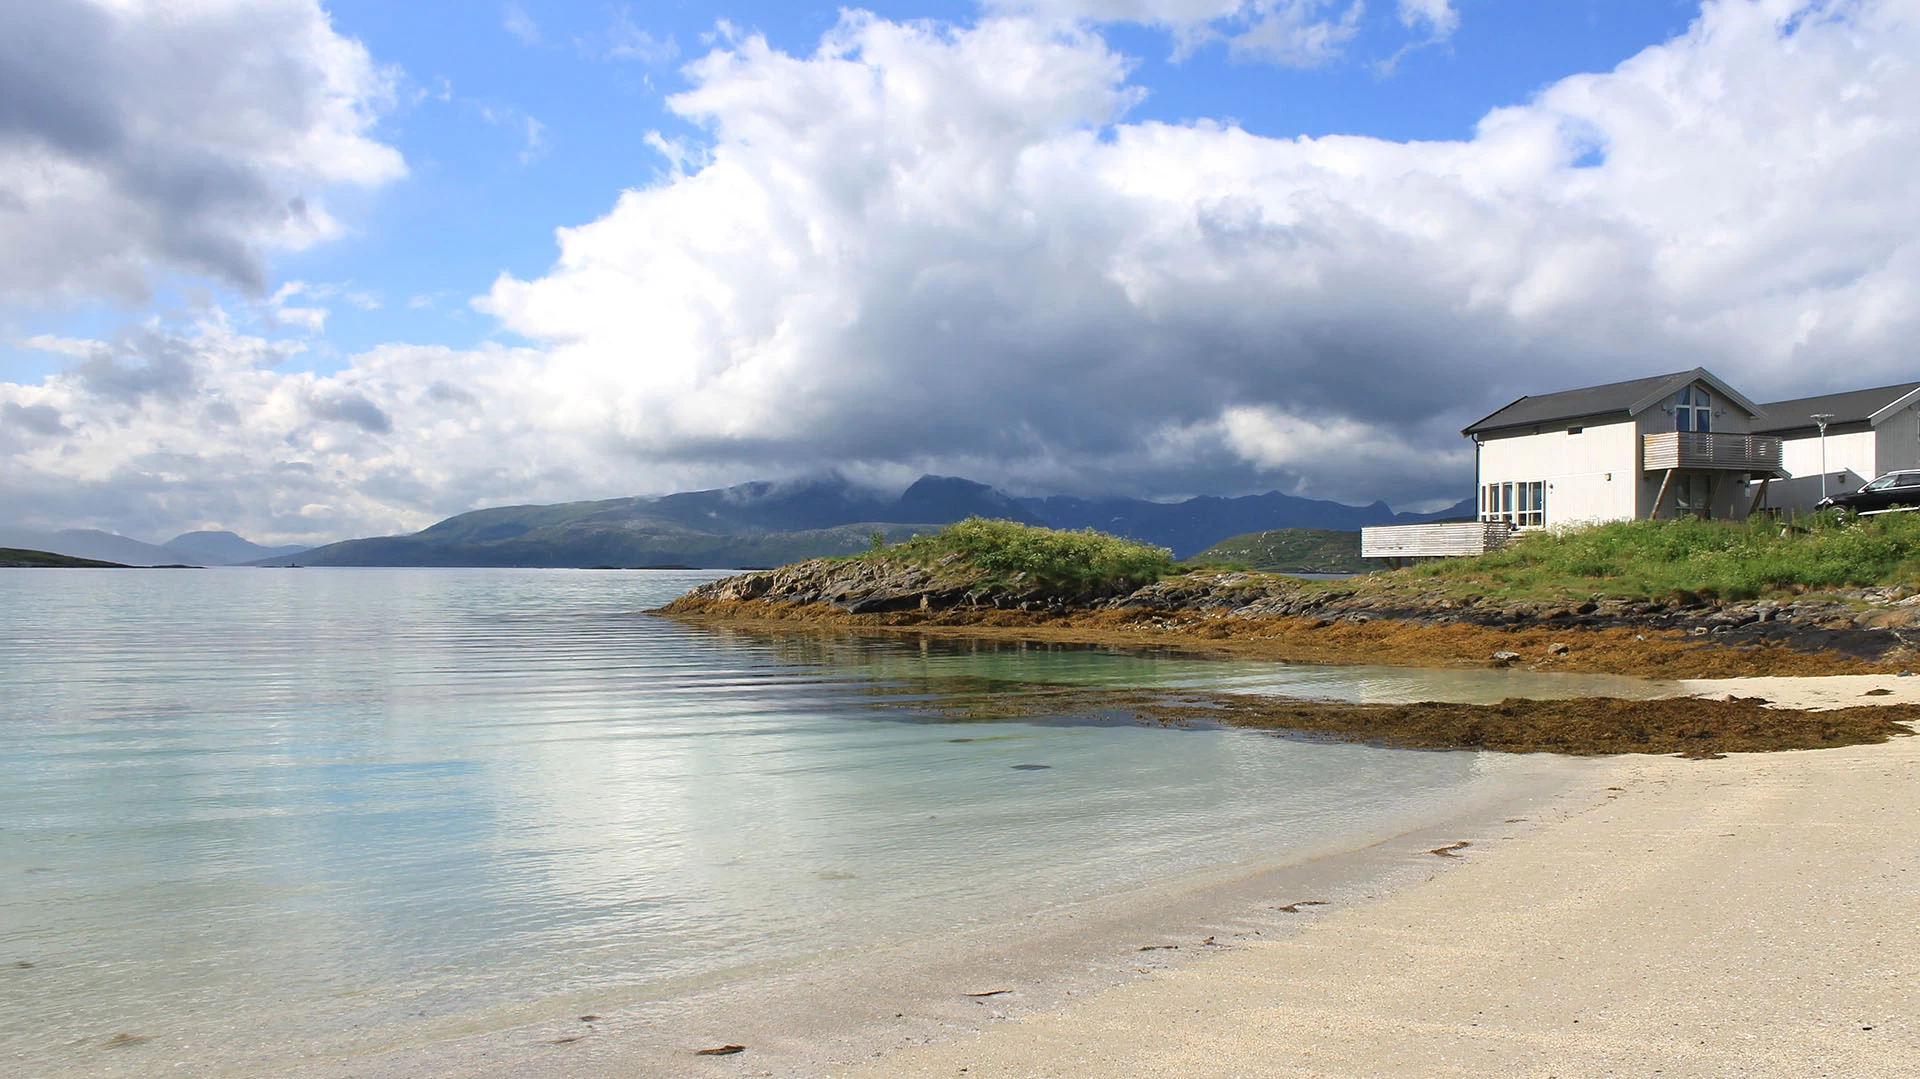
1693, 410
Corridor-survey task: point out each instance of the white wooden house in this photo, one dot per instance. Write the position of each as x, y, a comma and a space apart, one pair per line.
1869, 433
1684, 443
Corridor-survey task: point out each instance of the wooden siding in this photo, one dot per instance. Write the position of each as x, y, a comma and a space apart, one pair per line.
1433, 541
1693, 449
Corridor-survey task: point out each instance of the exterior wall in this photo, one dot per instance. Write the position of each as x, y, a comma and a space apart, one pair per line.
1733, 497
1853, 458
1589, 476
1853, 451
1897, 441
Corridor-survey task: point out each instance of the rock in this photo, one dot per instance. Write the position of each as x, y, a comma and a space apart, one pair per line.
1504, 658
1558, 649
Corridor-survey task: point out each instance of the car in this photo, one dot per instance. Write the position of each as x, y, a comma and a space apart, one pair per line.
1888, 491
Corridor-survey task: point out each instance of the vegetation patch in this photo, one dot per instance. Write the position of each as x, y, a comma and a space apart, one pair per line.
1690, 562
1289, 550
1008, 551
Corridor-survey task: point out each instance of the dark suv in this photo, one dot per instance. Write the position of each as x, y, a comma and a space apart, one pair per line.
1890, 490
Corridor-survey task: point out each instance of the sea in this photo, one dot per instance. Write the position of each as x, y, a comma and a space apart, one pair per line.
250, 817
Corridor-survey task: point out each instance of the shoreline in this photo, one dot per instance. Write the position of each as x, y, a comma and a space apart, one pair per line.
1640, 652
1576, 918
1086, 1000
1745, 916
815, 1016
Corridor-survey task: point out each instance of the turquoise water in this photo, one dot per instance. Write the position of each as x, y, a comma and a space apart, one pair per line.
267, 814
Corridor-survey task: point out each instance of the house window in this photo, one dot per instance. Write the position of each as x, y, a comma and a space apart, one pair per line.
1523, 505
1571, 431
1691, 494
1693, 410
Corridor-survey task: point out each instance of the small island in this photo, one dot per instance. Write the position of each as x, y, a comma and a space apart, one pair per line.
1668, 599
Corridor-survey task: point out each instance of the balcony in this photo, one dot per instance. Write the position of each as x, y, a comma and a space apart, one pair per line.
1757, 454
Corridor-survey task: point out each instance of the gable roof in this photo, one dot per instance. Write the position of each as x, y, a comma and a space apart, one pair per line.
1632, 397
1854, 406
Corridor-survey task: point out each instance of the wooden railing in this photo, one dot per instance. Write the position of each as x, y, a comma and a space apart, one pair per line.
1693, 449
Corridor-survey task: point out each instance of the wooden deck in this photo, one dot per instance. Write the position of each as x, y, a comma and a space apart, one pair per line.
1405, 542
1757, 454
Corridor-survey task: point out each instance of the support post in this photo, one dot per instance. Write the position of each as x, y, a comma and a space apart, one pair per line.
1654, 513
1713, 495
1759, 496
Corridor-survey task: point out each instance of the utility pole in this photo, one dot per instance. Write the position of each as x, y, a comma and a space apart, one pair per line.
1821, 419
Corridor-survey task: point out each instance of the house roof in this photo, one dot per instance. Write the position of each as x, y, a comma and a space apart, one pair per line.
1854, 406
1631, 397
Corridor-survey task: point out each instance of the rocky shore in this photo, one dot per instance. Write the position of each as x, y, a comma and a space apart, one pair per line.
1381, 618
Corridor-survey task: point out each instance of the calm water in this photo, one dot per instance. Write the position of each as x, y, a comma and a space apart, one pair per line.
260, 814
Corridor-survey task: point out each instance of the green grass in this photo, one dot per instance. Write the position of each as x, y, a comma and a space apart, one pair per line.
1289, 550
1674, 560
1061, 559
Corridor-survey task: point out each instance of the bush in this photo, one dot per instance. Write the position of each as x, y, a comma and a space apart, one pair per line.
1688, 561
1050, 556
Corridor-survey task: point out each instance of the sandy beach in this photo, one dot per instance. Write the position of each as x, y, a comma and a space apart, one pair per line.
1749, 916
1638, 915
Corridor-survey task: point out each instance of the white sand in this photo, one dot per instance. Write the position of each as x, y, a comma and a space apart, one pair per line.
1752, 916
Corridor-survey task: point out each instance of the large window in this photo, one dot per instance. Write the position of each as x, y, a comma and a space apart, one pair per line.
1692, 494
1523, 504
1693, 410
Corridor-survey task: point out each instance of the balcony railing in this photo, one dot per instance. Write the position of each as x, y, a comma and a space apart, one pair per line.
1692, 449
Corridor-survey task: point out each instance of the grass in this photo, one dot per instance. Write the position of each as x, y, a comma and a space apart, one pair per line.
1079, 560
1690, 560
1288, 550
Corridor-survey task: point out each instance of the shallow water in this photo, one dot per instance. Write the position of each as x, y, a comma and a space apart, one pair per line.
260, 815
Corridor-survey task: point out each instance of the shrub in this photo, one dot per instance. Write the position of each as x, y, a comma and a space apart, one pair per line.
1081, 559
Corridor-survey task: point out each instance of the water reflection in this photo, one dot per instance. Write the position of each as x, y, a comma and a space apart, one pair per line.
254, 814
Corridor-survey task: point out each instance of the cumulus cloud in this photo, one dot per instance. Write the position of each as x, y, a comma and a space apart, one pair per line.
140, 136
947, 248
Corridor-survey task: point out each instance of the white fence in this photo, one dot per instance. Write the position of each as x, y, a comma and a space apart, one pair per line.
1396, 542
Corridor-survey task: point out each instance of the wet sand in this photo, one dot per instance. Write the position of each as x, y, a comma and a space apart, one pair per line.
1747, 916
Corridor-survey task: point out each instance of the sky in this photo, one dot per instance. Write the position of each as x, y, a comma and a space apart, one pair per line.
311, 270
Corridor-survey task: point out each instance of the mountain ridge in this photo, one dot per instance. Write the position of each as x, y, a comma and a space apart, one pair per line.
771, 523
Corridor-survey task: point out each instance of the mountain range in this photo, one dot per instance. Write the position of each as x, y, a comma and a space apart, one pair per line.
760, 524
753, 524
200, 548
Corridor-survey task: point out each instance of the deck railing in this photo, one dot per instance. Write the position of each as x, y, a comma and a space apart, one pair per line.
1694, 449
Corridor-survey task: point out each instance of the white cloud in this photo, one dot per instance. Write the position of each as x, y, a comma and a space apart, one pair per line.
626, 40
1295, 33
939, 248
147, 136
1436, 17
515, 20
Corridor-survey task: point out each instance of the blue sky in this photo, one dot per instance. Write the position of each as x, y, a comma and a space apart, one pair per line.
297, 269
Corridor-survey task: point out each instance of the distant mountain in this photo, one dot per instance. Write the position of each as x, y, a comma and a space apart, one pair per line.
611, 543
1192, 526
92, 544
223, 549
199, 548
758, 524
1291, 550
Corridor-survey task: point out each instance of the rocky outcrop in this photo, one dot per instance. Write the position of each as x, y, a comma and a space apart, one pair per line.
1876, 624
